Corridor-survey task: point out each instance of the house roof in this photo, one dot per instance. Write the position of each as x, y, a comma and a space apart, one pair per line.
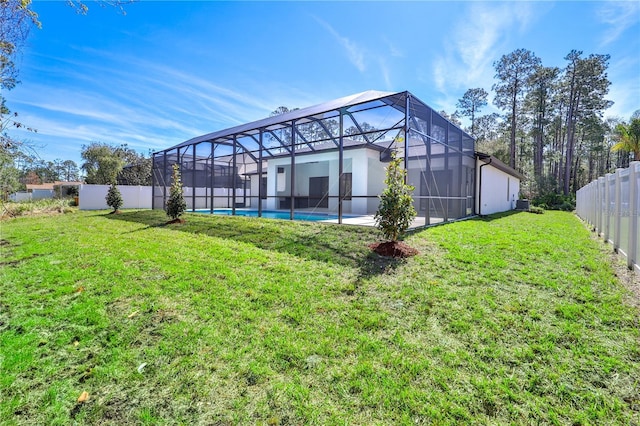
254, 126
51, 185
69, 183
490, 159
32, 186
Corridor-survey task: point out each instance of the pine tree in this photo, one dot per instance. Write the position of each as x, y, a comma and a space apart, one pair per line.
114, 198
513, 71
176, 204
395, 212
471, 103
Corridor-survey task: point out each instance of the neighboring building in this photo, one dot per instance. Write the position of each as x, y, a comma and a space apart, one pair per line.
45, 190
331, 158
40, 191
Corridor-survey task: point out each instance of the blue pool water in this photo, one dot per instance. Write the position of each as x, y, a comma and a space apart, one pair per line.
273, 214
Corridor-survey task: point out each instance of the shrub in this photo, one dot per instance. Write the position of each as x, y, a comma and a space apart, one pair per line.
396, 211
176, 204
21, 208
555, 201
567, 206
34, 207
536, 210
114, 198
73, 191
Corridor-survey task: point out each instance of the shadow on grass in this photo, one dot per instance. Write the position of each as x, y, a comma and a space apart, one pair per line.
483, 218
497, 216
343, 245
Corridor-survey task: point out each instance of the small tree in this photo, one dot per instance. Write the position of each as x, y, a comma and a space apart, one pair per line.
114, 198
395, 212
629, 138
176, 204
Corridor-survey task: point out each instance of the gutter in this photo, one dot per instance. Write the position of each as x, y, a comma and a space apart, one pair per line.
480, 186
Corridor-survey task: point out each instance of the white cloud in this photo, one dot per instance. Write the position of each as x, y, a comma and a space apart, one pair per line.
136, 77
440, 66
393, 49
360, 56
145, 104
619, 16
355, 53
473, 45
384, 70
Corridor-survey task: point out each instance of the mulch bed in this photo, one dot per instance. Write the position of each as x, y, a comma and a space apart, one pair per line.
393, 249
177, 220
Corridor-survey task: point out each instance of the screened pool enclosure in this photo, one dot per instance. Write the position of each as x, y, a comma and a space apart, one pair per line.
326, 159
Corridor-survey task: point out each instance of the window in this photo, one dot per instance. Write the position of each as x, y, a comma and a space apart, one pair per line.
263, 188
281, 183
345, 184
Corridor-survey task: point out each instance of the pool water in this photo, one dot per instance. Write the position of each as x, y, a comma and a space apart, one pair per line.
273, 214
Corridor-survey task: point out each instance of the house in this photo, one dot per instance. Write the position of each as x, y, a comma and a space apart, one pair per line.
331, 158
40, 191
46, 190
498, 185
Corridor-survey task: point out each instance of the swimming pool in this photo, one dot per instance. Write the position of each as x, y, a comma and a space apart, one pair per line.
274, 214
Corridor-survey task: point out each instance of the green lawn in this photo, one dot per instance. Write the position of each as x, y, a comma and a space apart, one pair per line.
514, 319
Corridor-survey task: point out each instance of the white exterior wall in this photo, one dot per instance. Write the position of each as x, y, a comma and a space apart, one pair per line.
254, 190
363, 164
375, 181
499, 190
92, 197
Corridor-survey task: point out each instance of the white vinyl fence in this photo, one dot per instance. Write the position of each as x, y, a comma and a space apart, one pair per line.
611, 205
93, 197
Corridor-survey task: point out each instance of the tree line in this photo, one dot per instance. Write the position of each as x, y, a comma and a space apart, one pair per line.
102, 164
552, 128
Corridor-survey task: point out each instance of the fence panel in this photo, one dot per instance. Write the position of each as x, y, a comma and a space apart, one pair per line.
93, 197
623, 205
610, 228
611, 204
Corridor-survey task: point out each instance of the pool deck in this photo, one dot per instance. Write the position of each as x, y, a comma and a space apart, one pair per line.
369, 220
364, 220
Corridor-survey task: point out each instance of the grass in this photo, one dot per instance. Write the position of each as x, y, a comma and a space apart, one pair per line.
514, 319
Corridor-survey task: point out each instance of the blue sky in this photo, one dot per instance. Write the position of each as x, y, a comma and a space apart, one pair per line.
165, 72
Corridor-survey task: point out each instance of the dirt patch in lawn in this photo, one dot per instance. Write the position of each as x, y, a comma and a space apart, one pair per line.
177, 220
393, 249
628, 277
